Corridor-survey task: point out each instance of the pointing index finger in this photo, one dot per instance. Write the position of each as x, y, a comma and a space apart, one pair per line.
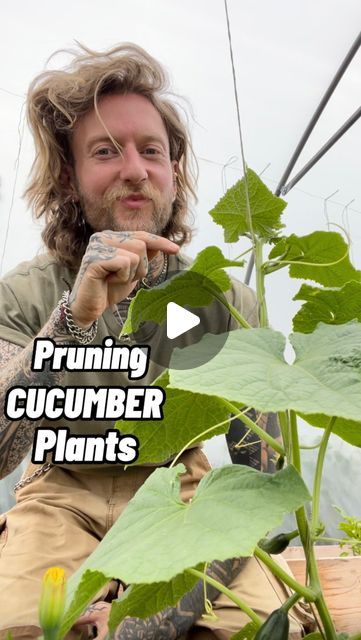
155, 242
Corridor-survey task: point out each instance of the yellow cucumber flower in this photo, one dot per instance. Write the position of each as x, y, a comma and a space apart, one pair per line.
52, 602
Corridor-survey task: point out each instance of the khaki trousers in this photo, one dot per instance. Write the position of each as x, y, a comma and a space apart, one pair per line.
61, 516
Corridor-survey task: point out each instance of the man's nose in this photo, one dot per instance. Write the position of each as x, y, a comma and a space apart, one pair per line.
132, 166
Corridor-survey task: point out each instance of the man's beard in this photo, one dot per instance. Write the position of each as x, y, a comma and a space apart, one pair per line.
100, 213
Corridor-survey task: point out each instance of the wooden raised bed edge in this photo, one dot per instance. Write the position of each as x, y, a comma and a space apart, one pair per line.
340, 579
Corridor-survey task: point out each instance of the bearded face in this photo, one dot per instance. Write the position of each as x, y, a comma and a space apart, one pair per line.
123, 176
126, 209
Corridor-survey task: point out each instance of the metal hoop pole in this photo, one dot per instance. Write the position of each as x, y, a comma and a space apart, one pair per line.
336, 79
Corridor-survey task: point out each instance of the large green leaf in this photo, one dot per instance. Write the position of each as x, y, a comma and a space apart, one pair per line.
144, 600
231, 210
195, 287
210, 263
348, 430
251, 370
321, 256
185, 416
332, 306
138, 600
87, 587
158, 536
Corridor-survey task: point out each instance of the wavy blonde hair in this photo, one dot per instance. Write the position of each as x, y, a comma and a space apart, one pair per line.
56, 101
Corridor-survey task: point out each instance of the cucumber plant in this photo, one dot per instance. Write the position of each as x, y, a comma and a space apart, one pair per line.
322, 385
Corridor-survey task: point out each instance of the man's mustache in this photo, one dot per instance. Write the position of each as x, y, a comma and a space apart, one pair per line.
121, 192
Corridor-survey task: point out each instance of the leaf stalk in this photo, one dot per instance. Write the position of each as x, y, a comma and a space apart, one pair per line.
199, 436
274, 265
310, 595
305, 535
232, 310
227, 592
261, 433
318, 476
260, 288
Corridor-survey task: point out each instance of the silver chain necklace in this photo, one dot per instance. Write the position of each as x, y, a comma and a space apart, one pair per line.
146, 284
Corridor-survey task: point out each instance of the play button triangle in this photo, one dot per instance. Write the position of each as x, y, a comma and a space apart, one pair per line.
179, 320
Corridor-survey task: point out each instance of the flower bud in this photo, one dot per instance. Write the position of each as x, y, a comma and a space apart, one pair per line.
52, 602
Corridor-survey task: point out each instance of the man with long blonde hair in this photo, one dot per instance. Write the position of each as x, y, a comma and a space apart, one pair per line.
112, 177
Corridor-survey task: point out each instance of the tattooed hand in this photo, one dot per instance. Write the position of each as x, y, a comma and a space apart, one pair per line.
96, 615
172, 622
112, 264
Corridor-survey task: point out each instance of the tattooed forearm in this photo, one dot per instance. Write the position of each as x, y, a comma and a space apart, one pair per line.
174, 622
15, 371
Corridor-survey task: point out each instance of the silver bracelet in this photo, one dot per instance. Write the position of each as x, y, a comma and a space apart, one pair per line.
83, 336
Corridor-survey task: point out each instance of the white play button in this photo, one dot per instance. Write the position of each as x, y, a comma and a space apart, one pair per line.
184, 322
179, 320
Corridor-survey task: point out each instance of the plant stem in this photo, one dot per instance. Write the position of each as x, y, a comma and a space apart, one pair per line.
263, 435
285, 431
271, 266
232, 310
258, 257
303, 526
241, 255
325, 617
310, 446
301, 517
305, 592
337, 540
296, 454
227, 592
296, 461
290, 602
293, 534
318, 476
300, 514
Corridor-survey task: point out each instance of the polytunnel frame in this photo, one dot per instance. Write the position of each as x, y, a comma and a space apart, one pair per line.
283, 186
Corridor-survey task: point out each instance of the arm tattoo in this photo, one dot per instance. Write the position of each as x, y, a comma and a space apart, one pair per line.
174, 622
16, 436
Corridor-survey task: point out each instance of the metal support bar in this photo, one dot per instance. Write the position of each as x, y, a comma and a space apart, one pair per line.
355, 116
341, 70
311, 125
